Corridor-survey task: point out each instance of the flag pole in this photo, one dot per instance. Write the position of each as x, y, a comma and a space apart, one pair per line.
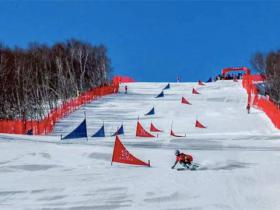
86, 122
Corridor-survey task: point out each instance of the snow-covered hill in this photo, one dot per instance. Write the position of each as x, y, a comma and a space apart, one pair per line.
238, 152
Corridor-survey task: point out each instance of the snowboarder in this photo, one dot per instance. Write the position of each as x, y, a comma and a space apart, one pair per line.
125, 89
184, 159
248, 108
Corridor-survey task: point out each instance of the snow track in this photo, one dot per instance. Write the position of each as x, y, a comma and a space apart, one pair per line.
238, 155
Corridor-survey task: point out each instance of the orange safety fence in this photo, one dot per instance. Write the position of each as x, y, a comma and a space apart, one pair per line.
46, 125
271, 109
248, 83
120, 79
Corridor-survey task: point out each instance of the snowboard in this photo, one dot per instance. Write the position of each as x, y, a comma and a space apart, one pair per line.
192, 167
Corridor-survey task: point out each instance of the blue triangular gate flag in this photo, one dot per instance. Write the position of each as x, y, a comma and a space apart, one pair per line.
160, 95
79, 132
120, 131
100, 132
209, 80
151, 112
30, 132
167, 87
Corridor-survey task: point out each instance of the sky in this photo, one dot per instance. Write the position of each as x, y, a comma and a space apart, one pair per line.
151, 40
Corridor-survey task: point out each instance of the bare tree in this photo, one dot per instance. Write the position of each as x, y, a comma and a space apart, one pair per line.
38, 78
258, 62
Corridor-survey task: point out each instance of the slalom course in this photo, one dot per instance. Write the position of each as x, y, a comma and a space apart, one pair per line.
161, 95
120, 131
199, 124
194, 91
154, 129
77, 174
141, 132
79, 132
151, 112
185, 101
100, 132
122, 155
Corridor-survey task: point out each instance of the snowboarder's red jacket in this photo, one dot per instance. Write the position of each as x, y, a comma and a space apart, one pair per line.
184, 158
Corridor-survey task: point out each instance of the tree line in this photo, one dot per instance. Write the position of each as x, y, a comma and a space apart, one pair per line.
40, 77
269, 65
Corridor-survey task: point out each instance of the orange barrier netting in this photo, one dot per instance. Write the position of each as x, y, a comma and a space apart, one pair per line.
269, 108
118, 79
263, 103
46, 125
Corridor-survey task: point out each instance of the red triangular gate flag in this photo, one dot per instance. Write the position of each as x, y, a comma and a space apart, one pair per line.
185, 101
122, 155
141, 132
154, 129
200, 83
199, 125
194, 91
173, 134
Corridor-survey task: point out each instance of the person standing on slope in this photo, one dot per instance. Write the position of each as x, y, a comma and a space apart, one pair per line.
248, 108
125, 88
184, 159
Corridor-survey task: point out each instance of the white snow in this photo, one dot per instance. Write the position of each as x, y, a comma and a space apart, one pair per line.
238, 152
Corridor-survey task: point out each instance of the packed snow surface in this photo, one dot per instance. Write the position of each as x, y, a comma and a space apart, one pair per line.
238, 155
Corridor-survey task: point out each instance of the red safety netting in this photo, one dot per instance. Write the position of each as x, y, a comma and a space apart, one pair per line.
119, 79
248, 82
269, 108
46, 125
263, 103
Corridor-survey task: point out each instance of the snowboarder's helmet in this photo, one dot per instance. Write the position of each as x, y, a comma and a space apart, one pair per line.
177, 152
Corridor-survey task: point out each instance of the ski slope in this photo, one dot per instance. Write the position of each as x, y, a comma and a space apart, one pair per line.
238, 153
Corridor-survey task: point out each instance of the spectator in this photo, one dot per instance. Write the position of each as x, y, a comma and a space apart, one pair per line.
125, 89
248, 108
